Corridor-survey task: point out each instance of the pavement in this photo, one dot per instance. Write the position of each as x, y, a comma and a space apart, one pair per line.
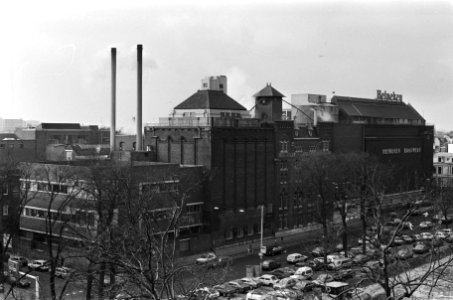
285, 239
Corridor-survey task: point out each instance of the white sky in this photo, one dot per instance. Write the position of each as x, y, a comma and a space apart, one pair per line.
55, 55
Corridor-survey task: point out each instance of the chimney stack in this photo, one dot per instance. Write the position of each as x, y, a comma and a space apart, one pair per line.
113, 104
139, 146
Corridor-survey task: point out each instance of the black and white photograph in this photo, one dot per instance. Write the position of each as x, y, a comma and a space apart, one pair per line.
226, 150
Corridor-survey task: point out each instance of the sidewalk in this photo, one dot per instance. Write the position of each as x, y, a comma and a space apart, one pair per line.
285, 238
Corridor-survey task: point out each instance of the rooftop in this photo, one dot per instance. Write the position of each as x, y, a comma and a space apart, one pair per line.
210, 99
362, 107
268, 91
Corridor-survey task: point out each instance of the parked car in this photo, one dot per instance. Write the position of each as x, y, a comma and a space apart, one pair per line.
440, 235
427, 235
221, 262
404, 253
205, 293
418, 237
420, 248
294, 258
398, 241
303, 273
39, 265
322, 278
340, 263
269, 265
225, 290
343, 274
258, 294
441, 219
268, 279
316, 265
360, 259
206, 258
372, 264
318, 251
253, 282
426, 224
63, 272
285, 283
407, 239
271, 250
241, 286
23, 261
408, 225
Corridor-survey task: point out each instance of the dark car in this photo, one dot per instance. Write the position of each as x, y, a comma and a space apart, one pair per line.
221, 262
318, 251
271, 250
278, 273
316, 265
270, 265
420, 248
343, 274
226, 290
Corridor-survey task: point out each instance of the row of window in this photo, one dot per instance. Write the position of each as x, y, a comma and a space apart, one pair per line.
445, 170
240, 232
80, 217
150, 188
10, 146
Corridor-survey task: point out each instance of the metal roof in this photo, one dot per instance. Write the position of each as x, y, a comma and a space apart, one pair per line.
268, 91
361, 107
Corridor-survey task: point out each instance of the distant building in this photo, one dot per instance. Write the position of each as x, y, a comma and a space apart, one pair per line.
63, 191
10, 125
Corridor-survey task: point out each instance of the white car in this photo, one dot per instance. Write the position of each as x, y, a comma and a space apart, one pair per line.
205, 258
440, 235
294, 258
258, 294
268, 279
253, 282
63, 272
39, 265
426, 224
427, 235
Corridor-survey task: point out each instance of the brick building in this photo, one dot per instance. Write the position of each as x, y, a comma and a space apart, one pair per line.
251, 159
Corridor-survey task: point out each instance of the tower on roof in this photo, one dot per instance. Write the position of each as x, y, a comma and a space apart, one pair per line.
216, 83
268, 104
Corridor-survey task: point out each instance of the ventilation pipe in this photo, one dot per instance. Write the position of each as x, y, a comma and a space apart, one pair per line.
113, 104
139, 146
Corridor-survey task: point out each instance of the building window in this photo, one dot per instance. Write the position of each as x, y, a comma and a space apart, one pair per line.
121, 146
229, 235
21, 145
439, 159
240, 233
250, 230
148, 148
439, 170
5, 210
2, 146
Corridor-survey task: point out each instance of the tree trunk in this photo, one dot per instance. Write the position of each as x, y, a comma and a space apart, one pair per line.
101, 280
89, 281
345, 236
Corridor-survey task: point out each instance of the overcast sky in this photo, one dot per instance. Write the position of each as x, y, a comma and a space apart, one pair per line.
55, 56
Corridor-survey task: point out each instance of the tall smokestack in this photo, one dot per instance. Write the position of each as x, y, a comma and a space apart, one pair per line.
113, 104
139, 98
